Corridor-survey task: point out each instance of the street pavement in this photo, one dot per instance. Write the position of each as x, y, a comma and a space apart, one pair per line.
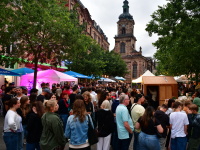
3, 147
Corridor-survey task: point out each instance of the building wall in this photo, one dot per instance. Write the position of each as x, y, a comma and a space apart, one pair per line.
92, 28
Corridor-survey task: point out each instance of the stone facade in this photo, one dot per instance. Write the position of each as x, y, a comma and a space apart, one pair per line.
92, 28
125, 45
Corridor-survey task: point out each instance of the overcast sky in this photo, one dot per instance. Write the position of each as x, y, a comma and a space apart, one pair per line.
106, 13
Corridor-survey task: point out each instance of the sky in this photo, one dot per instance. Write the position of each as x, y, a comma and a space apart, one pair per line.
106, 13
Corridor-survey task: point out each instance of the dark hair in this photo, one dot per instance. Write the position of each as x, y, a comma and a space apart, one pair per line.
125, 90
34, 90
74, 88
67, 87
147, 116
83, 90
177, 104
102, 97
43, 84
33, 97
8, 89
12, 101
79, 96
137, 97
170, 102
89, 89
39, 108
93, 88
133, 93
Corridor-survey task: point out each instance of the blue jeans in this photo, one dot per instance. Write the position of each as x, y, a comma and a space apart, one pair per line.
64, 118
178, 143
32, 146
148, 142
123, 144
136, 143
24, 131
12, 140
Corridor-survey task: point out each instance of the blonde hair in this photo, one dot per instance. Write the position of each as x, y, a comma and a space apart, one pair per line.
49, 104
106, 105
86, 93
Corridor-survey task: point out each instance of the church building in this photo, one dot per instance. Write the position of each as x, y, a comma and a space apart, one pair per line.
125, 45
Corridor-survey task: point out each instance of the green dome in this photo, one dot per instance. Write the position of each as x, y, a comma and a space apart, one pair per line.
126, 14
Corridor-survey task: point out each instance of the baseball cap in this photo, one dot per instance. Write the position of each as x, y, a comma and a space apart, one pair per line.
46, 90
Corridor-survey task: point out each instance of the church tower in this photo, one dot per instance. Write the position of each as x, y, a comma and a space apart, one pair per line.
125, 45
125, 39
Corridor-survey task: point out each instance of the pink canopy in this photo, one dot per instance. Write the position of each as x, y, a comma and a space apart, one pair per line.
48, 76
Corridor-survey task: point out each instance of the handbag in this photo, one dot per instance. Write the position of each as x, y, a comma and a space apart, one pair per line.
92, 133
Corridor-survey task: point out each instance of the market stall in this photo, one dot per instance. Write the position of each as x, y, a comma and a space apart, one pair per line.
160, 87
48, 76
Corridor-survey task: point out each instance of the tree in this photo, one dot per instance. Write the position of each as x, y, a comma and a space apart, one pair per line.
177, 25
88, 62
114, 65
40, 31
96, 61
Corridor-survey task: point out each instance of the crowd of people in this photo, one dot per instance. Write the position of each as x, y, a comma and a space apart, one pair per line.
47, 118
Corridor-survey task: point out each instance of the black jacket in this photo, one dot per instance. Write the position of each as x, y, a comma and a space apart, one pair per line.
34, 128
194, 125
164, 121
105, 122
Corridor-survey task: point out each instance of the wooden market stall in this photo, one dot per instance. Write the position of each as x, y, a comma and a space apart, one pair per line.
164, 87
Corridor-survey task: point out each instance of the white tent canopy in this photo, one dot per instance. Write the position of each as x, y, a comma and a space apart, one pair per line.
48, 76
181, 78
106, 80
139, 80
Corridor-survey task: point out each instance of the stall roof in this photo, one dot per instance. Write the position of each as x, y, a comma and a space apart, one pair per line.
139, 80
158, 80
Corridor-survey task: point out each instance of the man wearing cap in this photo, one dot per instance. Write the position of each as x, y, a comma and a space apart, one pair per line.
43, 95
137, 110
124, 123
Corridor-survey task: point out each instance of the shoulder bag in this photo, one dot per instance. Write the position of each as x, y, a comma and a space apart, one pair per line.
92, 133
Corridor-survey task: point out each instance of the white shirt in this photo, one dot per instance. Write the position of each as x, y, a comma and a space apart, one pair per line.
169, 111
12, 121
93, 97
178, 120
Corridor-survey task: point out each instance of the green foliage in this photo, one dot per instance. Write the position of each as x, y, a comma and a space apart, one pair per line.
114, 65
41, 31
89, 60
96, 61
177, 25
46, 32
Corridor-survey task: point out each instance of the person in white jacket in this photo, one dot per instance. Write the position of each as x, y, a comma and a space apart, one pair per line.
13, 126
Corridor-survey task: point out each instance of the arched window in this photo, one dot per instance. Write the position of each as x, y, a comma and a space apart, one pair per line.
135, 70
122, 47
123, 30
